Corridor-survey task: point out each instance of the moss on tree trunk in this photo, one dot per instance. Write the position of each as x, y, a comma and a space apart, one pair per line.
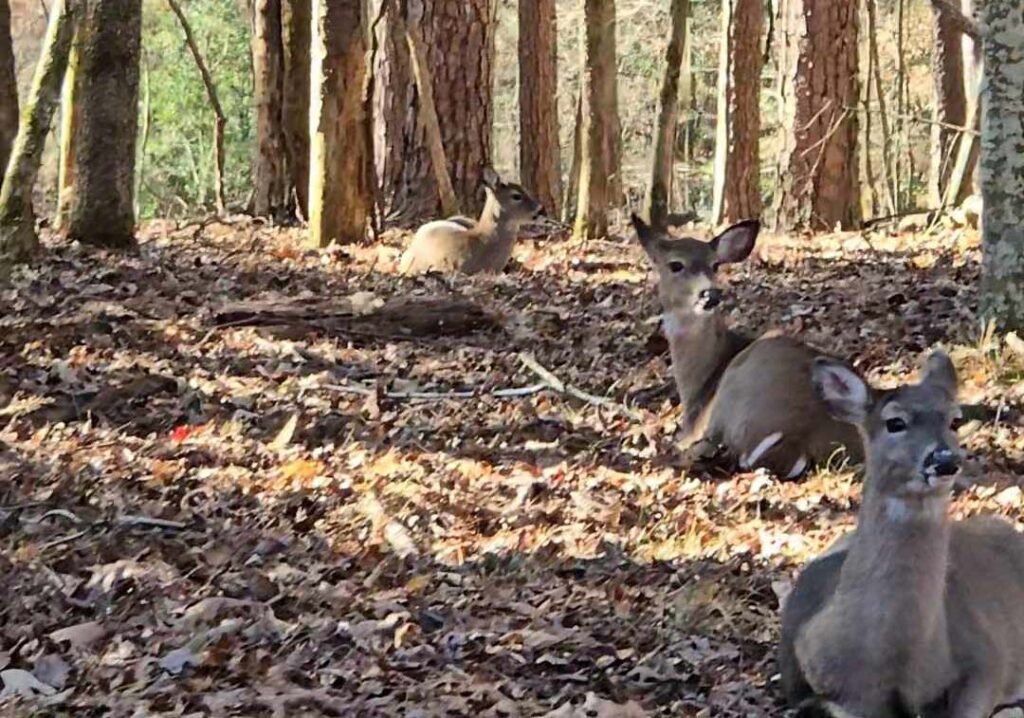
102, 211
17, 221
8, 88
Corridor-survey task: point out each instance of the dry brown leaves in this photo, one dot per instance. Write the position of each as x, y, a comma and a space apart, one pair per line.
317, 514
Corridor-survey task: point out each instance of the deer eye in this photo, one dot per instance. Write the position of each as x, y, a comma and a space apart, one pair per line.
516, 196
956, 422
676, 267
895, 425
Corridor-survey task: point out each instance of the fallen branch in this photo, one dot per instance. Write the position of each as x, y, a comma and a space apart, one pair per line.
562, 388
147, 521
438, 395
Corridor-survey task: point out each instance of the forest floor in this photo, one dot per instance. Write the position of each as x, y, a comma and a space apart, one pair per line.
235, 484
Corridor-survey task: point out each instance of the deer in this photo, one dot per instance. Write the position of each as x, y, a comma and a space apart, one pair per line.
752, 397
459, 244
912, 613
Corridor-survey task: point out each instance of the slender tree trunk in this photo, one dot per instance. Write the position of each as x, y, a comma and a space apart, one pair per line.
8, 88
595, 144
107, 94
458, 39
820, 182
17, 221
888, 166
539, 149
219, 119
737, 180
270, 166
296, 26
950, 101
572, 184
610, 107
68, 130
1002, 182
659, 190
340, 197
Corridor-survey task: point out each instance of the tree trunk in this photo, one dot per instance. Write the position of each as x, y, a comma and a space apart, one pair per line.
102, 209
340, 196
68, 129
8, 88
539, 148
17, 222
737, 173
270, 166
950, 101
296, 19
1002, 183
596, 142
610, 106
659, 191
819, 179
458, 37
572, 182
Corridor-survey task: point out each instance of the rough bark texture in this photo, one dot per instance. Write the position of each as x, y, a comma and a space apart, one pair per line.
270, 166
8, 88
17, 222
950, 101
659, 190
340, 196
819, 169
296, 19
459, 38
539, 150
737, 191
1002, 164
107, 94
597, 121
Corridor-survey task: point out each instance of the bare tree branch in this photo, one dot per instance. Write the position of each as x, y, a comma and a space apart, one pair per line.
957, 18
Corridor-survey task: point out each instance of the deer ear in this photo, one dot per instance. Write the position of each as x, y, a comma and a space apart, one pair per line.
939, 372
737, 242
490, 178
843, 390
645, 233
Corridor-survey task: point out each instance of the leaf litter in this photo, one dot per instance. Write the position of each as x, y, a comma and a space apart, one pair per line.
244, 479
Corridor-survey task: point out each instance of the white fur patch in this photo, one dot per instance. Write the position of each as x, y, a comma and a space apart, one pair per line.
931, 508
442, 225
748, 460
798, 468
673, 326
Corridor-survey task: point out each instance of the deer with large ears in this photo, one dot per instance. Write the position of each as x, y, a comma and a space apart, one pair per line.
911, 614
459, 244
752, 397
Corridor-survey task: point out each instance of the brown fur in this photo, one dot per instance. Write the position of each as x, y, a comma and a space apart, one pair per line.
914, 614
458, 244
737, 392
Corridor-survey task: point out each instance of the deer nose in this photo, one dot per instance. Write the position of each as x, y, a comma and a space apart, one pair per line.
943, 461
710, 297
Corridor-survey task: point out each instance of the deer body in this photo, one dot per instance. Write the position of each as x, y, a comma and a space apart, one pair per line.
913, 614
458, 244
754, 397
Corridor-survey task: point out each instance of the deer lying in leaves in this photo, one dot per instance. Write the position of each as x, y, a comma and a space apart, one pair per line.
912, 614
754, 398
460, 245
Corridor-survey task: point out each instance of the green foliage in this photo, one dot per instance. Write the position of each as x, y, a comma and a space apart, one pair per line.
177, 155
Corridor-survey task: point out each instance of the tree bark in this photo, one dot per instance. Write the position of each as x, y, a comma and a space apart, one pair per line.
340, 196
18, 238
68, 129
270, 166
458, 37
597, 121
102, 209
737, 179
950, 101
1002, 180
296, 27
8, 88
819, 182
659, 190
539, 148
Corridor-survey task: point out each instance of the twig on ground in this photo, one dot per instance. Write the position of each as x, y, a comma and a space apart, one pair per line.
438, 395
562, 388
149, 522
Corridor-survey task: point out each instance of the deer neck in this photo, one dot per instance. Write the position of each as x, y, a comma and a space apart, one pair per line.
894, 576
701, 345
494, 225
